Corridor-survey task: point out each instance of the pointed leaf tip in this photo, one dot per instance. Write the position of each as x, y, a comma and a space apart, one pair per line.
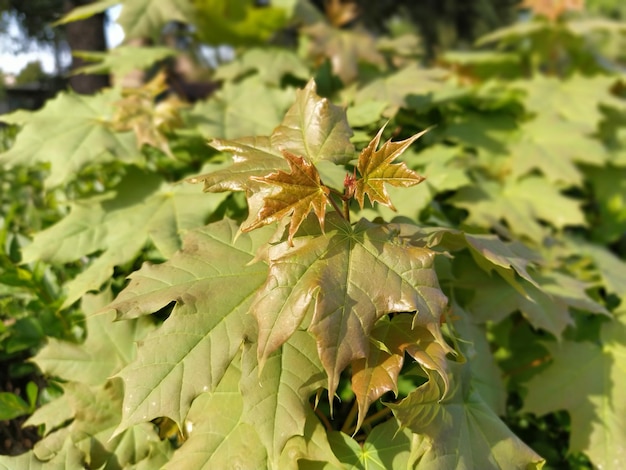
376, 169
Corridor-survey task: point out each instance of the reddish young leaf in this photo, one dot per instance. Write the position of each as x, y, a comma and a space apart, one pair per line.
283, 194
376, 169
377, 373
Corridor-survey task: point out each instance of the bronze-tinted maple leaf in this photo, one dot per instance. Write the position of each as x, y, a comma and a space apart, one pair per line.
150, 121
376, 169
378, 373
283, 194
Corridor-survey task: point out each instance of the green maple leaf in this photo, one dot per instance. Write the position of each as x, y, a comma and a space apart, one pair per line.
546, 303
337, 275
376, 170
276, 399
609, 187
252, 156
122, 60
146, 18
270, 63
396, 87
378, 372
90, 408
85, 11
141, 208
292, 194
460, 431
237, 22
522, 204
71, 141
219, 438
387, 446
246, 108
190, 352
70, 457
551, 96
96, 412
541, 146
315, 129
592, 392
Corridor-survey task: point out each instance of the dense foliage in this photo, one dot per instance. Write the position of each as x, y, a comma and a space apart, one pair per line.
390, 266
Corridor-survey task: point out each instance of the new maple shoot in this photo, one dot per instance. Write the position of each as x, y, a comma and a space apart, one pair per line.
313, 130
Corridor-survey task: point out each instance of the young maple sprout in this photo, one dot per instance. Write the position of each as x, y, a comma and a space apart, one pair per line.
279, 172
301, 191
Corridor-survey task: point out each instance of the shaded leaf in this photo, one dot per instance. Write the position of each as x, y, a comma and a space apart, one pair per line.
522, 204
376, 169
461, 430
292, 194
592, 392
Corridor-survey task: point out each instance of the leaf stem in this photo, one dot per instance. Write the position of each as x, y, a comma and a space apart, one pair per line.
346, 209
336, 207
323, 418
347, 424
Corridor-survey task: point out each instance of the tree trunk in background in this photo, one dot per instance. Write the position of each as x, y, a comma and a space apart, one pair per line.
86, 35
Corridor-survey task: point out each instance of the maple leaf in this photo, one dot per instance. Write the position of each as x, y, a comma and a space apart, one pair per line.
213, 286
298, 193
252, 156
315, 128
119, 223
461, 431
337, 275
378, 372
592, 391
70, 141
150, 121
376, 169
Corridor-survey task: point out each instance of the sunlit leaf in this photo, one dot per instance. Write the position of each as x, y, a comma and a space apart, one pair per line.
315, 129
292, 194
143, 207
337, 273
218, 438
212, 285
378, 372
376, 169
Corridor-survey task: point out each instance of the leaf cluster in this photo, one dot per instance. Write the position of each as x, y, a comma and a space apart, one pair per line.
316, 307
